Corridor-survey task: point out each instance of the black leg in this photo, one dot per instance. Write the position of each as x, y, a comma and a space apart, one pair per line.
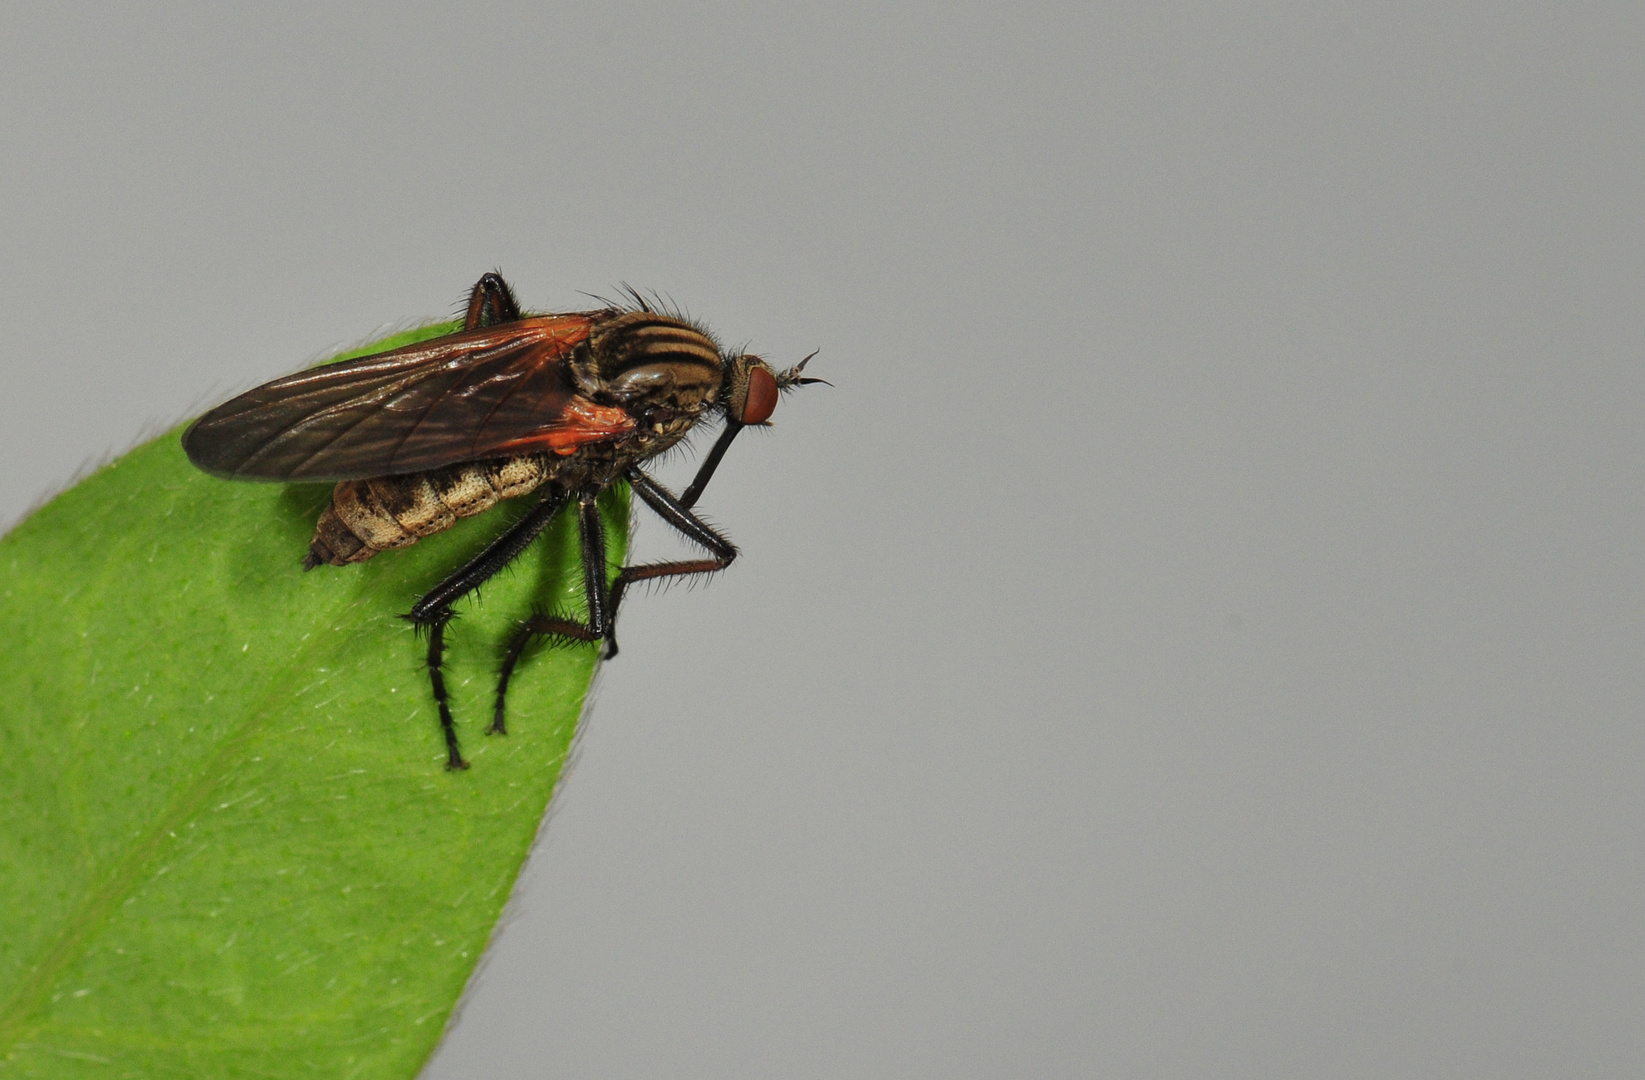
480, 569
434, 610
437, 646
705, 472
603, 602
676, 513
592, 530
490, 302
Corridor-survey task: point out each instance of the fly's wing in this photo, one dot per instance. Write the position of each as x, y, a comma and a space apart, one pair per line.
490, 392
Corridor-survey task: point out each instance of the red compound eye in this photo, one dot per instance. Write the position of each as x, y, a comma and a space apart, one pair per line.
762, 396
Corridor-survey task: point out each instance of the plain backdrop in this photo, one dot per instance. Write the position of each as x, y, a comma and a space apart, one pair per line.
1200, 633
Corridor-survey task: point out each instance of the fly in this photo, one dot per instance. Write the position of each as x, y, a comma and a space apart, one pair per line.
511, 404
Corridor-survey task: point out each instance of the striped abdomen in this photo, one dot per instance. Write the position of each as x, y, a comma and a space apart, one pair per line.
368, 516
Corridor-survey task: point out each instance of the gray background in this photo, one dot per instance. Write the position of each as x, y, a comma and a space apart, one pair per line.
1200, 633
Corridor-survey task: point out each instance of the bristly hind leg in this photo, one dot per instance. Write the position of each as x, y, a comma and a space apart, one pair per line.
433, 611
490, 302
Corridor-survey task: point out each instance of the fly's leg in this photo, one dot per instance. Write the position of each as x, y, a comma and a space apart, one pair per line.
592, 532
490, 302
434, 610
498, 554
705, 472
436, 650
603, 602
677, 512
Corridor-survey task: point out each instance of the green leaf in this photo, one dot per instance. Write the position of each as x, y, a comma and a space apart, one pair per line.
228, 844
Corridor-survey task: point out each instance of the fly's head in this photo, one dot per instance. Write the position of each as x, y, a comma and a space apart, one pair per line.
752, 387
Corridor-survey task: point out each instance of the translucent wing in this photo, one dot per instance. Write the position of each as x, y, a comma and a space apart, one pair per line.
494, 391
